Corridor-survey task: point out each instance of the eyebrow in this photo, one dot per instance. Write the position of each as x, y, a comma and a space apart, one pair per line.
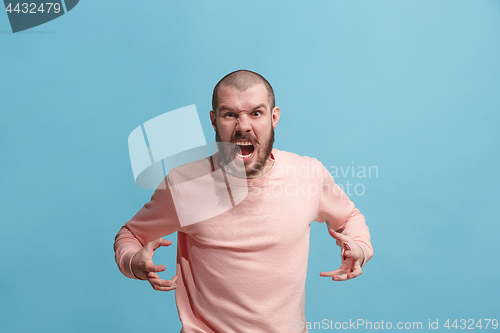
225, 108
261, 105
222, 108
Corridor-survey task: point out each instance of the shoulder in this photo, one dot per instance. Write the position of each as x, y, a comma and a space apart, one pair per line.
189, 171
288, 158
297, 165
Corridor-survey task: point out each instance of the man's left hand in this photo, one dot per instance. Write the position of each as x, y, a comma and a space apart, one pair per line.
352, 258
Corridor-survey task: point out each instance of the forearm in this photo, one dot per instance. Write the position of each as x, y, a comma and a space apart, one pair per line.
156, 219
355, 227
125, 246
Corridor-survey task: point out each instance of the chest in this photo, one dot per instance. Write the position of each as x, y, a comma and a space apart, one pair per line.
275, 214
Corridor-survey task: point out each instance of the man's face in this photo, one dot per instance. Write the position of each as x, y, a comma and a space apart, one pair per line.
246, 119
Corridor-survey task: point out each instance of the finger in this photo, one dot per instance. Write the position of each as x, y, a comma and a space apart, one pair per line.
162, 285
338, 236
160, 282
344, 268
150, 267
348, 270
340, 277
155, 244
344, 247
355, 273
151, 275
340, 271
355, 255
340, 274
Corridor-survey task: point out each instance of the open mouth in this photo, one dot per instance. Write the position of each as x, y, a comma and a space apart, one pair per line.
247, 149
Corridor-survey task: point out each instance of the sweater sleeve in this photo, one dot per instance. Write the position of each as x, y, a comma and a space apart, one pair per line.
157, 218
341, 215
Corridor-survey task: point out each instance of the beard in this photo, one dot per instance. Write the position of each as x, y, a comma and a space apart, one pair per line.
227, 155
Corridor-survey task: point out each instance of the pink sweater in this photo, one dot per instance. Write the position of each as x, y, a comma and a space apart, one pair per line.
244, 270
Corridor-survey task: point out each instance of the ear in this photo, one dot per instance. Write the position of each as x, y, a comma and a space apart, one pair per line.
213, 120
275, 116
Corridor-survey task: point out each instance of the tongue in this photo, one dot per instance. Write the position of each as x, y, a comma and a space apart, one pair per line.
246, 150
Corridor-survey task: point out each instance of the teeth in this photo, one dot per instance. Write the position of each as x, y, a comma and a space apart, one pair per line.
244, 156
244, 143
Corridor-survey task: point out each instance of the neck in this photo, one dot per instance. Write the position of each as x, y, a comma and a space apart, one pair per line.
267, 166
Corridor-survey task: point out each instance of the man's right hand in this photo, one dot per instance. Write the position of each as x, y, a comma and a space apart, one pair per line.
144, 268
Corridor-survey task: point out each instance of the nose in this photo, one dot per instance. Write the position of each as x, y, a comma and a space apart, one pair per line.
243, 124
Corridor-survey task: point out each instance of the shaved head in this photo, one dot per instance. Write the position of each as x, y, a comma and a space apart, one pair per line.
241, 80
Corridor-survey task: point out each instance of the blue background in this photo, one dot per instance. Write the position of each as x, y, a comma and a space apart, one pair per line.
411, 87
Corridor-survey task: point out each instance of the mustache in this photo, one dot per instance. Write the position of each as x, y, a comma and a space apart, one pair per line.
240, 136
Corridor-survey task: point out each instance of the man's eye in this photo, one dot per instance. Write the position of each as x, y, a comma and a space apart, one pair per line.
229, 114
257, 113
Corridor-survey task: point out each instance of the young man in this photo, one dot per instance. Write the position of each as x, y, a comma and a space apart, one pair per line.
244, 270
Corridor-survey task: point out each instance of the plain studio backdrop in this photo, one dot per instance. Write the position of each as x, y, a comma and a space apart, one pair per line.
408, 88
